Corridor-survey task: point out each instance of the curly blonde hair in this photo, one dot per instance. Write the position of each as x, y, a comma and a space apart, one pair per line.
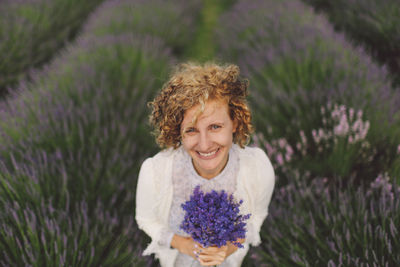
191, 84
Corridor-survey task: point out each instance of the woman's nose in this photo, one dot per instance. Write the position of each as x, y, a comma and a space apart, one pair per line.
204, 141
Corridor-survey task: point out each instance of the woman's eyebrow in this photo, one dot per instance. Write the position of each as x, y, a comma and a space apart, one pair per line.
189, 127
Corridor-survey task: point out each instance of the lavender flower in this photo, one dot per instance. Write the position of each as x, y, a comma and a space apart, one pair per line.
213, 218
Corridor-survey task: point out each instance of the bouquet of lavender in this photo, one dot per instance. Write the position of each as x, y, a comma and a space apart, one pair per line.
213, 219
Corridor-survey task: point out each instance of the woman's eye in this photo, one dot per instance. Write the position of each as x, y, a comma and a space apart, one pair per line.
189, 130
214, 126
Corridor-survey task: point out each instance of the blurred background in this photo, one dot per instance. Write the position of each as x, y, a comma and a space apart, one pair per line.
75, 77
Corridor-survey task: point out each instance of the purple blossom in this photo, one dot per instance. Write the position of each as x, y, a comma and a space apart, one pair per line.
213, 218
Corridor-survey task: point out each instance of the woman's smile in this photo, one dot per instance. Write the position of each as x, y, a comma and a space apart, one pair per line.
209, 155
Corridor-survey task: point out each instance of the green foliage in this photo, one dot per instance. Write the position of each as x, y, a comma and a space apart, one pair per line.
61, 231
372, 24
297, 64
83, 138
93, 103
173, 21
31, 32
313, 224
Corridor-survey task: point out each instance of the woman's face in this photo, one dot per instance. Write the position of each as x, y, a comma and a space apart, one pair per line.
209, 140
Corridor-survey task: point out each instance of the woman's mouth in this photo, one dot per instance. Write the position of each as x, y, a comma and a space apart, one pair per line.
208, 155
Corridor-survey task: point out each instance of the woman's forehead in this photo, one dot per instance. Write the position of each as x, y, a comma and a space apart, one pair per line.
214, 109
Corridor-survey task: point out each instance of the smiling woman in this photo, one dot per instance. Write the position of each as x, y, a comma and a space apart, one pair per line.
203, 123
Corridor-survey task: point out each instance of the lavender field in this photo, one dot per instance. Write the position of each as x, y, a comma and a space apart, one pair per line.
75, 78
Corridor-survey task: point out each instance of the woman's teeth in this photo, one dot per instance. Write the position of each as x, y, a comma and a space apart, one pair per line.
208, 154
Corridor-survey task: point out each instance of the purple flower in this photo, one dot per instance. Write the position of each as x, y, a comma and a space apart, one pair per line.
213, 219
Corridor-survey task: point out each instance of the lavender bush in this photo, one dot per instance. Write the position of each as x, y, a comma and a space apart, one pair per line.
213, 219
297, 63
38, 230
75, 94
74, 135
340, 146
154, 17
372, 24
313, 224
31, 32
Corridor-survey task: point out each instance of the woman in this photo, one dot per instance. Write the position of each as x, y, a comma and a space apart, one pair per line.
202, 120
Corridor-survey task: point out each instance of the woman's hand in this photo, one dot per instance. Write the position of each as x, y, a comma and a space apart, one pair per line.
185, 245
206, 256
215, 255
212, 255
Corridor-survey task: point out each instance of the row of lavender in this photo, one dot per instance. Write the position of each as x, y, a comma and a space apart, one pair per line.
32, 32
373, 24
312, 88
314, 224
322, 109
72, 141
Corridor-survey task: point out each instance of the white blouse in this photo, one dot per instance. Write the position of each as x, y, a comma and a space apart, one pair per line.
157, 200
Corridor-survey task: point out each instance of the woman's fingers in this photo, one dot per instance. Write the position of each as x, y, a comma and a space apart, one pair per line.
208, 260
210, 255
197, 249
218, 256
213, 250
